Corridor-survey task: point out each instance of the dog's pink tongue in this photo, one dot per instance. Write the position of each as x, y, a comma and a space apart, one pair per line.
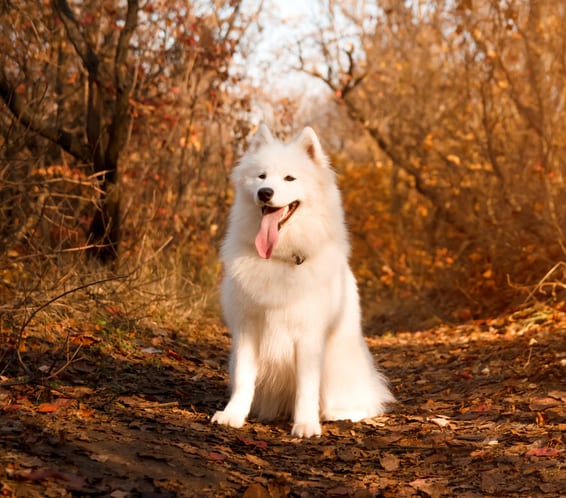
268, 234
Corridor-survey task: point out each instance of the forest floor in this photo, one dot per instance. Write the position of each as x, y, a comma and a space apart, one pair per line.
481, 411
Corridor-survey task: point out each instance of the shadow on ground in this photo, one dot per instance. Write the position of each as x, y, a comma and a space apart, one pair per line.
481, 412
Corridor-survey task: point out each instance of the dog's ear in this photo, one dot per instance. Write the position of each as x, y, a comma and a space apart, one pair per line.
262, 137
311, 145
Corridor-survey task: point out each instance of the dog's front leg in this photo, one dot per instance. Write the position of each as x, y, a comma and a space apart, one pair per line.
308, 358
244, 372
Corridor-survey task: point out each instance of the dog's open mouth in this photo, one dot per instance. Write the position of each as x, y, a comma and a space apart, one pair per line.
285, 212
272, 219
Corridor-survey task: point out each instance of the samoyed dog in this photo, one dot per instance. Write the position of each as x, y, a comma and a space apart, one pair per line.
289, 297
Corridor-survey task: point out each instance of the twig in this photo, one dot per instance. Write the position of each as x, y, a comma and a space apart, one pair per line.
32, 315
528, 359
543, 281
67, 363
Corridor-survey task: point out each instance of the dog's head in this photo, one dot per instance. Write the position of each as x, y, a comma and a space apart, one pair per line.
282, 181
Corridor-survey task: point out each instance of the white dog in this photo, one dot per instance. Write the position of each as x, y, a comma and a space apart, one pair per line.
289, 297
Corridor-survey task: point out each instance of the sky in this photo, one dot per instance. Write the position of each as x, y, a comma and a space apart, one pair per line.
271, 66
284, 24
288, 23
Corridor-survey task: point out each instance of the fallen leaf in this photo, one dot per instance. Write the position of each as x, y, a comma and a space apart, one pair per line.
119, 494
481, 408
114, 309
542, 452
47, 408
440, 421
540, 404
431, 487
84, 339
100, 457
85, 411
174, 355
251, 442
389, 462
256, 491
257, 461
215, 457
73, 481
328, 452
151, 350
278, 488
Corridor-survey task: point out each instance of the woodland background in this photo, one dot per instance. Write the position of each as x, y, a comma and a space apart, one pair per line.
120, 121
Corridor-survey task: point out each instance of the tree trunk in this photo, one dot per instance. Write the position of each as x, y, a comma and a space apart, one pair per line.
106, 145
104, 230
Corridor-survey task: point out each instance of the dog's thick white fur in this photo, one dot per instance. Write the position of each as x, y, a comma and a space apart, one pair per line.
289, 297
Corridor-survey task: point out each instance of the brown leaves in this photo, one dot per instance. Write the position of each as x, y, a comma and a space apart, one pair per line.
432, 487
542, 452
146, 422
250, 442
72, 482
23, 403
58, 404
389, 462
215, 457
272, 489
256, 491
544, 403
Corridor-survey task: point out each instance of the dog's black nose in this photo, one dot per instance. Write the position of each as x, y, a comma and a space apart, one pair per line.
265, 194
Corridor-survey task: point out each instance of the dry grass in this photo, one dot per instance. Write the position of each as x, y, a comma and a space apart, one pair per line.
52, 306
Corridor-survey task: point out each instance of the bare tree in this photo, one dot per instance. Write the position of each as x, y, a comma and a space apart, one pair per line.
76, 74
466, 102
109, 75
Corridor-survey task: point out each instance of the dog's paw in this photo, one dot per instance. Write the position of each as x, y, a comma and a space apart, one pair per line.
353, 415
306, 429
231, 419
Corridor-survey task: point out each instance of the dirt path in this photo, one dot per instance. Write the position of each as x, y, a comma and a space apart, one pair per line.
481, 412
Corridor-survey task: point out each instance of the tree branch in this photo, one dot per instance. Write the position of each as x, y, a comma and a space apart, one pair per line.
91, 63
377, 136
83, 48
69, 142
124, 82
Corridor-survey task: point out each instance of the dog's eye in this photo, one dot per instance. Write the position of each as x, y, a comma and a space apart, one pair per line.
289, 178
263, 176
